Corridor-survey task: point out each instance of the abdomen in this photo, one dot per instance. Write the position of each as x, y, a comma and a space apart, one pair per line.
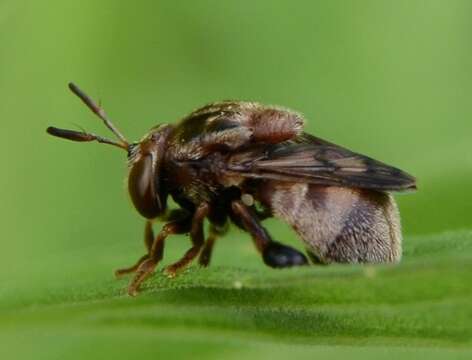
338, 224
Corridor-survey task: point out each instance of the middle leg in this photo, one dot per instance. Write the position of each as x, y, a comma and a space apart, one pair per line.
196, 236
215, 232
148, 241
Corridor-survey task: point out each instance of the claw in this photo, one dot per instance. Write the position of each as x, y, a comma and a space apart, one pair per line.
145, 269
170, 272
132, 292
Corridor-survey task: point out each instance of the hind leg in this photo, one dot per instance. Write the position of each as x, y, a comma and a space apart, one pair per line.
273, 253
197, 238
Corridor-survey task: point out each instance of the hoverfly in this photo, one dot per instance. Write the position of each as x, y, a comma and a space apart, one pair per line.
242, 162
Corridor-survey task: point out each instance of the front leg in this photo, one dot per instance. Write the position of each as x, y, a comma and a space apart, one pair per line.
176, 215
273, 253
148, 241
149, 262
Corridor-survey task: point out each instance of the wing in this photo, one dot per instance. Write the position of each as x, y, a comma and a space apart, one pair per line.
313, 160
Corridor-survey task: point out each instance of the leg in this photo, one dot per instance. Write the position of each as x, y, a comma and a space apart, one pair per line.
205, 255
176, 215
148, 264
148, 240
273, 253
196, 236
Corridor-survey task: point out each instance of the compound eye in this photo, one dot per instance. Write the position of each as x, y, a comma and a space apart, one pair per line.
141, 188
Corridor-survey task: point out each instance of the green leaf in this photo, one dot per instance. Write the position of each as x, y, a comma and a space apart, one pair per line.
421, 307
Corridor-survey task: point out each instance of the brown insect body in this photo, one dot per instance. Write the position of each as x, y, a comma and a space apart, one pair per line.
244, 162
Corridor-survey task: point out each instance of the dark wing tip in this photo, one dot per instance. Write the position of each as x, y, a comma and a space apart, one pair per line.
411, 185
406, 182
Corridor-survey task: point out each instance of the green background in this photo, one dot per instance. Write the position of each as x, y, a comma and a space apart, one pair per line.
390, 79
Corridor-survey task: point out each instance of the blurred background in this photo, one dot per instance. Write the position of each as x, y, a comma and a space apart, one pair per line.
390, 79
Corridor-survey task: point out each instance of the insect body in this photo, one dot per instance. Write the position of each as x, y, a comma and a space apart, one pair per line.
242, 162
